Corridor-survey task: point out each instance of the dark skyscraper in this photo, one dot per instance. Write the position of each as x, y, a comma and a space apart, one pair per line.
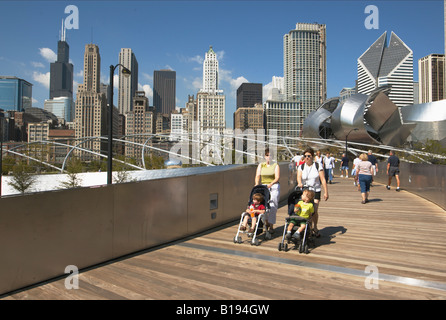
61, 71
164, 82
248, 94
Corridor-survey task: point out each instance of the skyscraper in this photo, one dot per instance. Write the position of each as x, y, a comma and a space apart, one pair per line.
210, 100
248, 94
127, 85
304, 66
61, 71
164, 91
392, 65
431, 78
15, 94
91, 104
210, 72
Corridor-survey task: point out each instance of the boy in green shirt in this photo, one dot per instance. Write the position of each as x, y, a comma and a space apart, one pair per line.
305, 209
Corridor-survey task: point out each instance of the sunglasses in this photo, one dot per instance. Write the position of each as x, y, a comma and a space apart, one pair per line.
308, 156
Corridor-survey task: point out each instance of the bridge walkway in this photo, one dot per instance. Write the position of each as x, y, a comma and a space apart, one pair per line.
390, 248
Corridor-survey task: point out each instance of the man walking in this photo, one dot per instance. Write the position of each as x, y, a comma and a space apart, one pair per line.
393, 169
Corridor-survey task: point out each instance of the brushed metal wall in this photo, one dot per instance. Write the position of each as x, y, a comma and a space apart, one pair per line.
42, 233
426, 180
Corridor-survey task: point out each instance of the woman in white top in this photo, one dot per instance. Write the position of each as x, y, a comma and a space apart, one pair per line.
312, 176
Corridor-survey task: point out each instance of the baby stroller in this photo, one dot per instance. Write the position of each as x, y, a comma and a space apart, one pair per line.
262, 189
303, 244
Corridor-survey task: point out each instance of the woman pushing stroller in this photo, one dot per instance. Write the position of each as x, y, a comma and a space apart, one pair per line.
311, 175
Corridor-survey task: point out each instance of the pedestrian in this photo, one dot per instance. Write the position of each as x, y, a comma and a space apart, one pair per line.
364, 176
355, 163
393, 170
329, 166
268, 173
311, 175
344, 165
373, 161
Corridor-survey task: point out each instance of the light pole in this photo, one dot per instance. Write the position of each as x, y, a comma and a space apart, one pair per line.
346, 137
126, 72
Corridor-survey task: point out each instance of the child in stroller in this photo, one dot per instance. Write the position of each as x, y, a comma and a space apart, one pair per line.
254, 210
300, 210
259, 201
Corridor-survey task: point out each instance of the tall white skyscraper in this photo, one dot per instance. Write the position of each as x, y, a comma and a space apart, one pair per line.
127, 85
210, 72
210, 100
392, 65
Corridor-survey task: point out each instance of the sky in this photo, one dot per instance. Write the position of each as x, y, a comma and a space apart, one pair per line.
246, 35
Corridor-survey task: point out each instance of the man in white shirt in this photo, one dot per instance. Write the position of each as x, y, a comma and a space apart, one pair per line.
329, 166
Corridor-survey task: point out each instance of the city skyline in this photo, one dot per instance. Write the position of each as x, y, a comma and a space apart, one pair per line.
246, 35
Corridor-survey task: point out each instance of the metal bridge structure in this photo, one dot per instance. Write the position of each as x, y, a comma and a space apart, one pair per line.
214, 147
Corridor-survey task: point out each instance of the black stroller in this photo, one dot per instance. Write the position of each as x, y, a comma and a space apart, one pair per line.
303, 244
262, 189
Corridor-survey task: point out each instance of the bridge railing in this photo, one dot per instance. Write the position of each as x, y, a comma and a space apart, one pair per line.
425, 180
43, 233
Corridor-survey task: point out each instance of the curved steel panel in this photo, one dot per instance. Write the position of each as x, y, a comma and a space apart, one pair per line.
313, 122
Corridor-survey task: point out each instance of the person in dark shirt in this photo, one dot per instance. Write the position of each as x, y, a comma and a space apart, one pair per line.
393, 169
373, 161
344, 165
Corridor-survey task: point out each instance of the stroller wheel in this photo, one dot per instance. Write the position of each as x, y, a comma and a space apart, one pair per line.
255, 242
306, 249
280, 246
285, 247
238, 239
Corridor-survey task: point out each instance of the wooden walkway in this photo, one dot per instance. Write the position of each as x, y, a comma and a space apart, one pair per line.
391, 248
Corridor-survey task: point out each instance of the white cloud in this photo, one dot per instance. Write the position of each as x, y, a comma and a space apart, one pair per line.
198, 59
37, 64
42, 78
266, 90
226, 76
148, 90
220, 55
48, 54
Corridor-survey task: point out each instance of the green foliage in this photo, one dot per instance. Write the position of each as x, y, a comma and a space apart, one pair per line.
22, 180
74, 167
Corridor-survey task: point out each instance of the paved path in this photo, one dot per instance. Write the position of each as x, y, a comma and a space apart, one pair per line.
390, 248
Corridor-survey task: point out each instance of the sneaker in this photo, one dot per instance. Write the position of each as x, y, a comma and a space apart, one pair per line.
242, 228
388, 187
398, 189
296, 236
288, 235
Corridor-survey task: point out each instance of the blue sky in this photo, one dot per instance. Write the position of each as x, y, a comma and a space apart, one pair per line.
247, 36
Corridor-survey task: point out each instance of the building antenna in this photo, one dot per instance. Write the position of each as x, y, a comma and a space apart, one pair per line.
62, 35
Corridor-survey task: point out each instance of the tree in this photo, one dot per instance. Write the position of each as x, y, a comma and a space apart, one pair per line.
74, 167
21, 179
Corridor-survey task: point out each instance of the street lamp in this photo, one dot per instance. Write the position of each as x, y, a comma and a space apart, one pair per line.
126, 72
346, 137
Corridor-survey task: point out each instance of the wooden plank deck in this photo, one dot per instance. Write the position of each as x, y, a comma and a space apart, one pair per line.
399, 235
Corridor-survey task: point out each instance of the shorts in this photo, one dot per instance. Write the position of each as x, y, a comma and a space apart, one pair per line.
344, 168
317, 195
394, 171
364, 181
298, 222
